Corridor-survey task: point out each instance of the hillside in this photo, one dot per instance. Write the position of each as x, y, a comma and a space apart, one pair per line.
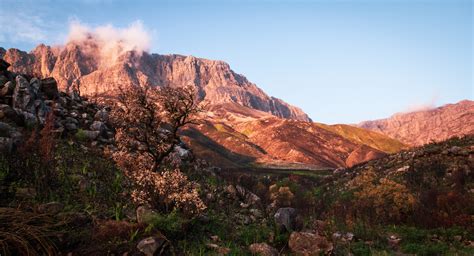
235, 136
421, 127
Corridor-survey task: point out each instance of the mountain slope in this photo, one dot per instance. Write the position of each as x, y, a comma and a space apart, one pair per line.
372, 139
236, 136
421, 127
81, 67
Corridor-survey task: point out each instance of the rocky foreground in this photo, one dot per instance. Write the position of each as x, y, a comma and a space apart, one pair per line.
72, 199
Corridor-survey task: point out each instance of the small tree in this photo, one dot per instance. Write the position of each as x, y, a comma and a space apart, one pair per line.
147, 122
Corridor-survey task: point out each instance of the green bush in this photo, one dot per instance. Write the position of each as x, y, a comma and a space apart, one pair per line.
172, 224
80, 135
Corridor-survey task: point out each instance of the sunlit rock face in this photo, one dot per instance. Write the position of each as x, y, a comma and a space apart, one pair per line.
83, 67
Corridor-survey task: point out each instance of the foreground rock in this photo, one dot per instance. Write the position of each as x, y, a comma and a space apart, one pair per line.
150, 246
263, 249
286, 218
27, 102
309, 244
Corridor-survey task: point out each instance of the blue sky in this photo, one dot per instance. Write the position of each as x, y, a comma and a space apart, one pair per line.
340, 61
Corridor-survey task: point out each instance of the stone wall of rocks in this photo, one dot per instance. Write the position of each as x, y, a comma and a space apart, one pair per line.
25, 103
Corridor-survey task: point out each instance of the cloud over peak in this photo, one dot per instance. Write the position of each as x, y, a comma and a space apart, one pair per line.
109, 41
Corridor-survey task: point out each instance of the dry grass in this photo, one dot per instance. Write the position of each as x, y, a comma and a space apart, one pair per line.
27, 233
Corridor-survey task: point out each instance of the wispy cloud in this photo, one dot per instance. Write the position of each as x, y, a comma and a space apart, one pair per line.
24, 26
420, 106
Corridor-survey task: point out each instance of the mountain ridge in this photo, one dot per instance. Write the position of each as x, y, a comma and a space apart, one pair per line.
77, 67
433, 125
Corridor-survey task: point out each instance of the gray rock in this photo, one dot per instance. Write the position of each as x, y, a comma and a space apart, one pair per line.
5, 129
23, 95
70, 126
102, 115
8, 112
72, 120
247, 196
35, 85
29, 119
49, 88
98, 126
285, 218
150, 245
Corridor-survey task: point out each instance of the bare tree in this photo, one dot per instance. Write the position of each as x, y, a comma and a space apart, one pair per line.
147, 122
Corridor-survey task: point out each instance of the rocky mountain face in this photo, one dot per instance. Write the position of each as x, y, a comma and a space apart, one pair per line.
82, 68
421, 127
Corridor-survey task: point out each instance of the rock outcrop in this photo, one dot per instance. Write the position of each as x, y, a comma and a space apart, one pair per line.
421, 127
26, 102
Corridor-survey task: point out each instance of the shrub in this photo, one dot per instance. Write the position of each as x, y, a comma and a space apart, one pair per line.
391, 201
171, 224
167, 191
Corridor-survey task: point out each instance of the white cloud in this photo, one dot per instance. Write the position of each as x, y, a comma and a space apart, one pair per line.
23, 27
109, 41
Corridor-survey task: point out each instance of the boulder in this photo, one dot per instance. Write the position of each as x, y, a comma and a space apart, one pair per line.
304, 243
9, 113
49, 88
150, 245
5, 129
4, 65
100, 127
23, 95
7, 89
247, 196
70, 127
102, 115
262, 249
286, 218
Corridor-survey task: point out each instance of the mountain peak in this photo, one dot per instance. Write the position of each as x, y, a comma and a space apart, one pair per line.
94, 69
